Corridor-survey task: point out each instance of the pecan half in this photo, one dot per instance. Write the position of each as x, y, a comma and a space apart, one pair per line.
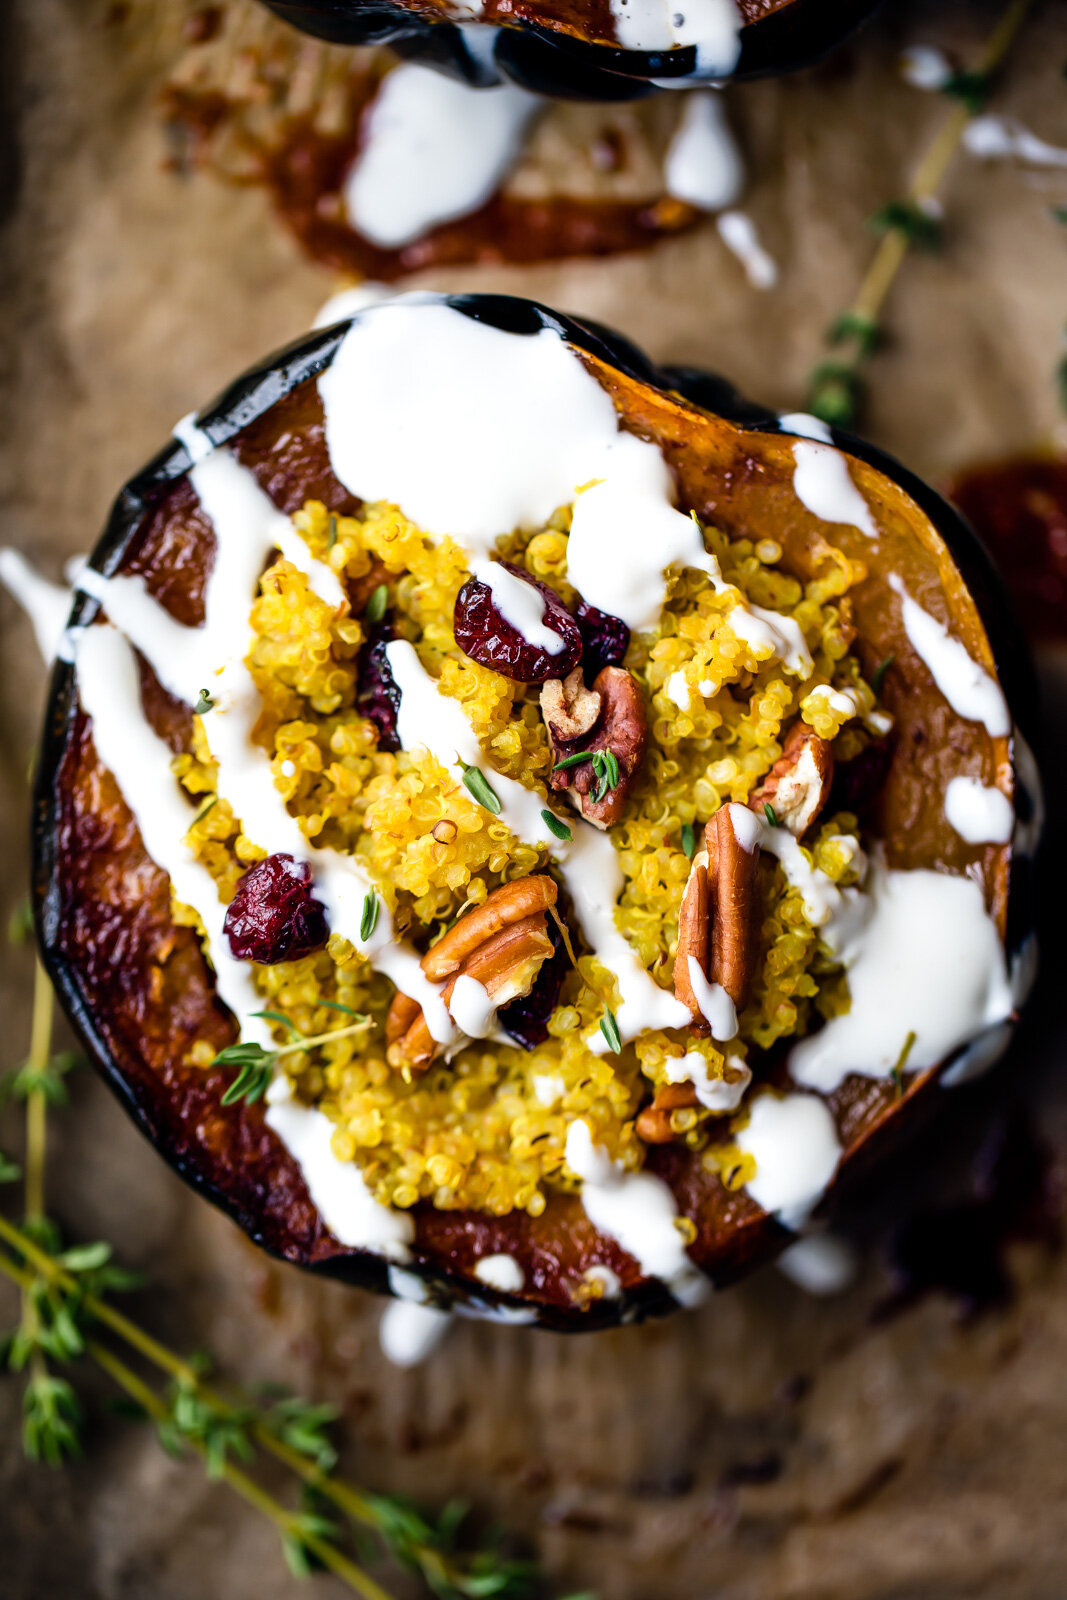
798, 785
620, 730
694, 935
736, 878
717, 919
501, 944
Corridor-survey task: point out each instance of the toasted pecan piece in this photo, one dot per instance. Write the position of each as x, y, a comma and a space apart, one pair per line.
568, 707
735, 875
798, 785
476, 938
505, 965
510, 903
653, 1124
621, 728
694, 935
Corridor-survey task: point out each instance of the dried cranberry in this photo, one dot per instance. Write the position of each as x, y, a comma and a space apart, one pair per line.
605, 639
483, 634
526, 1019
273, 916
377, 694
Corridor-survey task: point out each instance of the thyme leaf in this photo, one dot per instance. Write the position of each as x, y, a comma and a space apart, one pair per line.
255, 1067
918, 223
689, 839
770, 813
375, 608
610, 1029
556, 825
902, 1061
477, 784
20, 923
878, 675
331, 533
10, 1171
204, 704
369, 918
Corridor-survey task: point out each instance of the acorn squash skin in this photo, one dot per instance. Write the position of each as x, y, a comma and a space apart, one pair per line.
568, 64
99, 960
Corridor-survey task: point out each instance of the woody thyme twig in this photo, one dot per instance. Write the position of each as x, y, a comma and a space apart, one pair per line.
64, 1294
836, 385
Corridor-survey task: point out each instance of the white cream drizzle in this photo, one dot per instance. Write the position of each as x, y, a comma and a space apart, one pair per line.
408, 1332
46, 604
471, 1008
509, 427
500, 1272
716, 1007
994, 138
822, 482
967, 687
923, 957
433, 149
793, 1141
638, 1211
715, 1094
770, 633
703, 165
807, 426
713, 26
924, 66
520, 604
738, 233
337, 1188
979, 814
820, 1264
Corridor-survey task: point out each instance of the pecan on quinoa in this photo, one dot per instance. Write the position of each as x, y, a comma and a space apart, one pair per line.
798, 785
596, 766
653, 1124
717, 941
500, 945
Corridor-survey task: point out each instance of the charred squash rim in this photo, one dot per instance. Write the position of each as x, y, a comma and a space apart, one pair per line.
558, 59
254, 1179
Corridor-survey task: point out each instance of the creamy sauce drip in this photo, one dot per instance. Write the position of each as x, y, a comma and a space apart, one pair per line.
433, 149
993, 138
510, 427
923, 957
822, 482
738, 233
703, 165
408, 1332
820, 1264
967, 687
500, 1272
337, 1188
637, 1210
713, 26
715, 1094
793, 1141
46, 604
980, 815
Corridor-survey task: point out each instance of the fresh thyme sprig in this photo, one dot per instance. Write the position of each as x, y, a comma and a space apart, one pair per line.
605, 769
65, 1291
255, 1064
478, 785
836, 387
689, 839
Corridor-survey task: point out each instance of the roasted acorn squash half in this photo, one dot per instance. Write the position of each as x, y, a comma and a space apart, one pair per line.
135, 981
573, 51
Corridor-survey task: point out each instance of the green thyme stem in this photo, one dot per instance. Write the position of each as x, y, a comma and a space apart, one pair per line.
321, 1038
286, 1522
36, 1104
891, 253
343, 1495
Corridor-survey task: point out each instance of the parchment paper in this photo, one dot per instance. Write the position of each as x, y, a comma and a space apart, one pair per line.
911, 1457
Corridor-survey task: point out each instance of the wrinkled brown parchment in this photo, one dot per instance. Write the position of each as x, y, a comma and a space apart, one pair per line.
918, 1457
